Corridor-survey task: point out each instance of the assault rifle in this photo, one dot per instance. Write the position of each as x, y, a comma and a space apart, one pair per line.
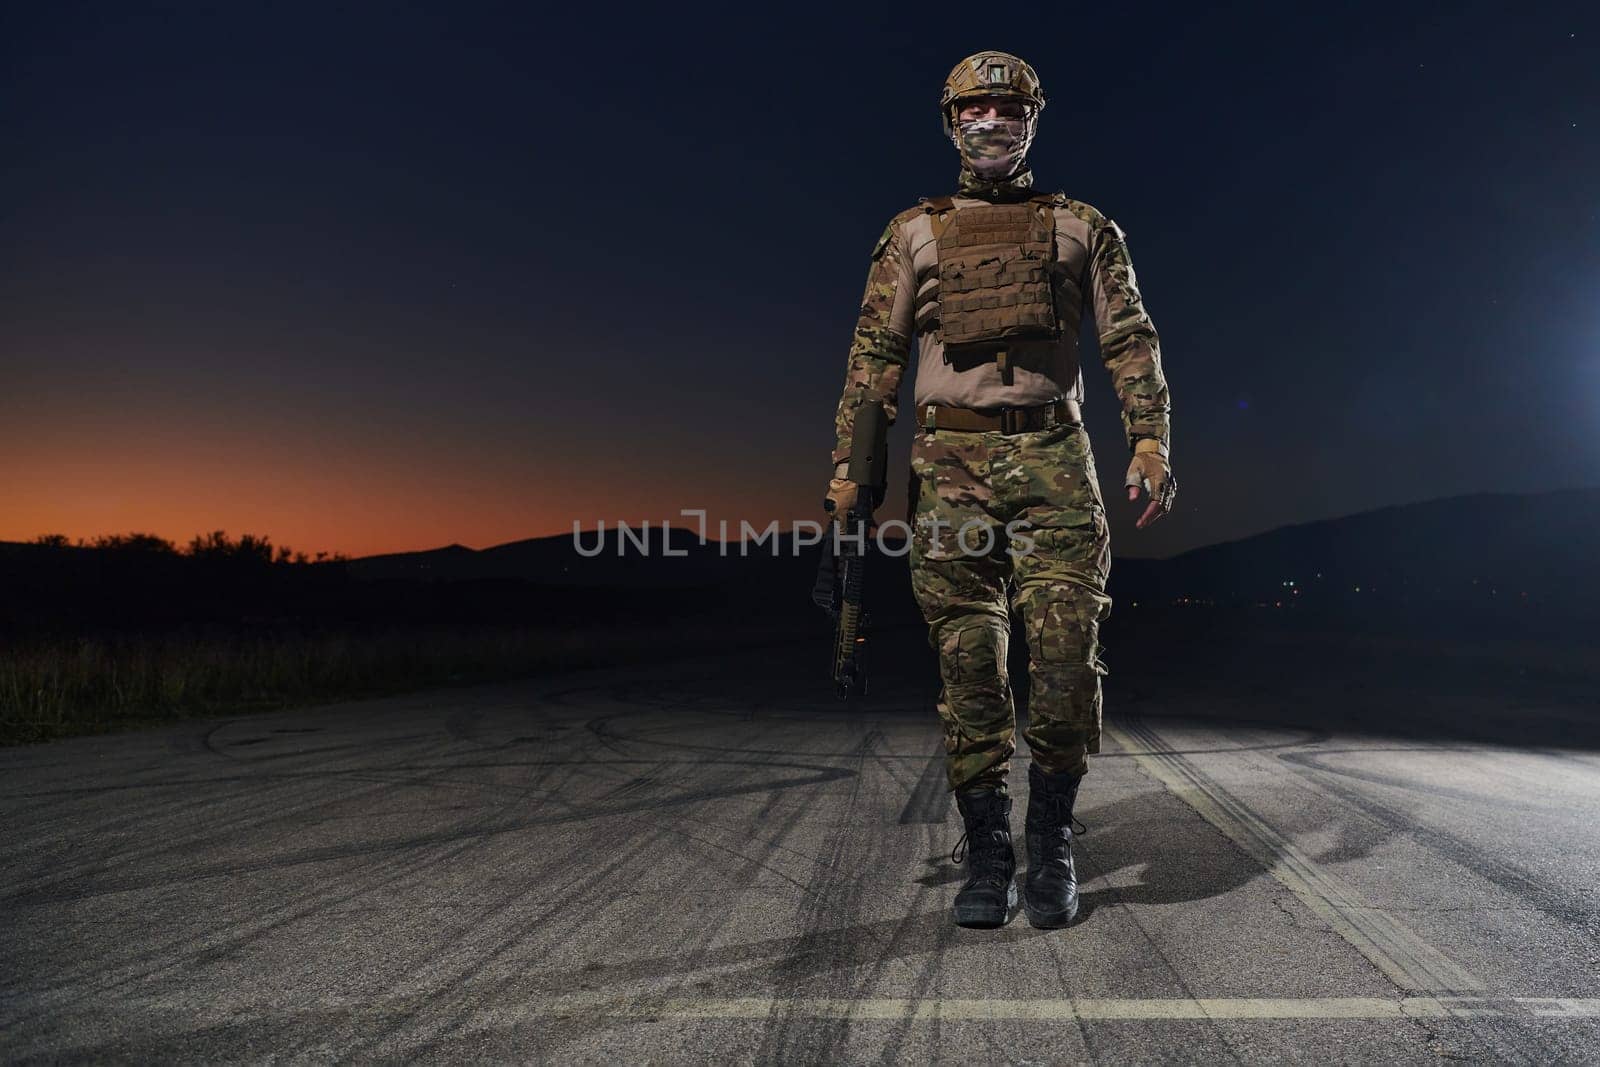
841, 576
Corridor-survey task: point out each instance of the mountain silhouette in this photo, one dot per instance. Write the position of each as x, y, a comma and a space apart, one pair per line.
1482, 549
1491, 560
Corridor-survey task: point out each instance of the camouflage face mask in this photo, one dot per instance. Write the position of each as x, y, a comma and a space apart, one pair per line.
993, 148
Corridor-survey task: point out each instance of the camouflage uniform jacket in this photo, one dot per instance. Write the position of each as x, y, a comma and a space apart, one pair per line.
903, 289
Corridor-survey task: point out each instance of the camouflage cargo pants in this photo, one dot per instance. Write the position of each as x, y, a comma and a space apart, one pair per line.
968, 585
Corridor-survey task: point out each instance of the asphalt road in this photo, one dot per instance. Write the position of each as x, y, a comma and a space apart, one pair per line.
1307, 854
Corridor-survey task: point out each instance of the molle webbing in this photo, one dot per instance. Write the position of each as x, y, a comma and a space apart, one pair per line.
994, 273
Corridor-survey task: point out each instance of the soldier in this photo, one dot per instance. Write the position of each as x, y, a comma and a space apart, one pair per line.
993, 281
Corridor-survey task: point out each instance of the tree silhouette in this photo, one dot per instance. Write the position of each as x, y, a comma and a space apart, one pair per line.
135, 542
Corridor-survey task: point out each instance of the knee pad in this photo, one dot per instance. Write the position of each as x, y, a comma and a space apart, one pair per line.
972, 650
1063, 624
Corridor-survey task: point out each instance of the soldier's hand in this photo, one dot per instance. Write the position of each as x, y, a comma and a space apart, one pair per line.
1151, 472
841, 496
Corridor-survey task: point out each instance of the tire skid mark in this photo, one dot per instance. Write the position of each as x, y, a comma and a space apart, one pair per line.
1407, 960
834, 895
1156, 949
1536, 893
462, 1008
403, 864
459, 988
261, 809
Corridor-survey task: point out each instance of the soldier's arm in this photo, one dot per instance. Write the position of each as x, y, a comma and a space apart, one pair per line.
881, 345
1128, 341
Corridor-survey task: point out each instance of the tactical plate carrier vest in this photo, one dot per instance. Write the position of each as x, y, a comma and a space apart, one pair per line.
996, 265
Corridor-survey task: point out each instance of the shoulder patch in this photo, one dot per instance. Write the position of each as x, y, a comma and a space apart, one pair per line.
888, 231
883, 241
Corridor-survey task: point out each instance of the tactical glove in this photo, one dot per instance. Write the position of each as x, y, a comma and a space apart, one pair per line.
1151, 472
841, 492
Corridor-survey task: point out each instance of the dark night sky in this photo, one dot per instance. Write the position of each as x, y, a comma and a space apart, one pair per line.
366, 279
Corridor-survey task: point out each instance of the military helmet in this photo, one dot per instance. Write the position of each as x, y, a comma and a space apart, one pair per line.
989, 74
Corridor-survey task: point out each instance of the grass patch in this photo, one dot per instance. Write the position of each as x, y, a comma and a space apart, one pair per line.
54, 687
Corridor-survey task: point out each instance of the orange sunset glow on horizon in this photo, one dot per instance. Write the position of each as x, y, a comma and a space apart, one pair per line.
305, 473
334, 507
347, 503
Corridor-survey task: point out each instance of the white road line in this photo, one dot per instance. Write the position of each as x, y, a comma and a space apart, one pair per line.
1410, 962
1060, 1010
644, 1006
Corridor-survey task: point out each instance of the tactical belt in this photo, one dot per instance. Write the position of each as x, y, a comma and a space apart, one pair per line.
1003, 420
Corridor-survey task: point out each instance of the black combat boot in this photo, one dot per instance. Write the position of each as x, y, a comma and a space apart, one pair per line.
989, 893
1050, 892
